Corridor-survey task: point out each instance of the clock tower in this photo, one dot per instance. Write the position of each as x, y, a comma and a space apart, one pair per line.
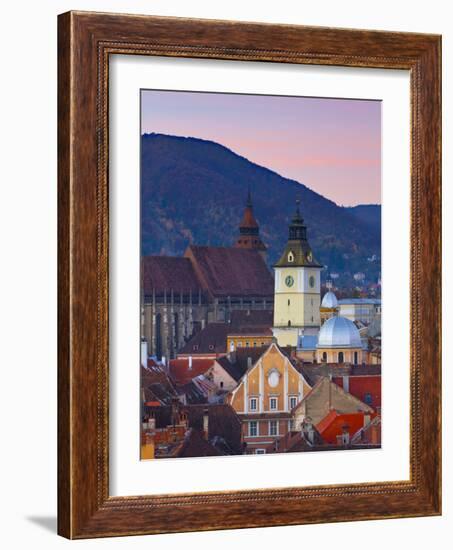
297, 287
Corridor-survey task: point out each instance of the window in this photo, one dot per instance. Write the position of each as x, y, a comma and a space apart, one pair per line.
291, 424
368, 398
273, 427
253, 428
289, 302
341, 357
273, 403
221, 384
356, 358
292, 401
260, 451
289, 323
253, 403
324, 356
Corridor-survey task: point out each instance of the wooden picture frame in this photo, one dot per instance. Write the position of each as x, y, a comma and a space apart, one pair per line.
85, 41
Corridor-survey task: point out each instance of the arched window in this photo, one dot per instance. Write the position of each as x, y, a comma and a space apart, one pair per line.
289, 323
324, 356
341, 357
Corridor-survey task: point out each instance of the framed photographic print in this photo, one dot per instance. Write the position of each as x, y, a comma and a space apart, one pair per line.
249, 275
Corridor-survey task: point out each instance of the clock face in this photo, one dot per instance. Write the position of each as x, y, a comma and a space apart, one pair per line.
289, 281
311, 281
273, 378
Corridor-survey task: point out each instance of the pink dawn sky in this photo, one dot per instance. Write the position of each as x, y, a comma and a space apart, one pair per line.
332, 146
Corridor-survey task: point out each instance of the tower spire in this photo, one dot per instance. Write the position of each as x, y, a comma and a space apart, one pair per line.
249, 203
249, 230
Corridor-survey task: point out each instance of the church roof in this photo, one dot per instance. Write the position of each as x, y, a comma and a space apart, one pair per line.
248, 219
329, 300
229, 271
339, 332
165, 273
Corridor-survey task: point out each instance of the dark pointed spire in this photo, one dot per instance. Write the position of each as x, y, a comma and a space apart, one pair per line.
249, 203
297, 229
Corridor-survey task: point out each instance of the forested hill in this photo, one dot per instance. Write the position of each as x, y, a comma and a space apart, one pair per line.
193, 191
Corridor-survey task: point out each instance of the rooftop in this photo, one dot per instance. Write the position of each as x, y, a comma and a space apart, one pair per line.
231, 272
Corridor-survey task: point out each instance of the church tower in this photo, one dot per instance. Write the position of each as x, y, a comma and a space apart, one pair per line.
249, 231
297, 287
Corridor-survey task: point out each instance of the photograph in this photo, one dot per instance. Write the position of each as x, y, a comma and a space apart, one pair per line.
260, 291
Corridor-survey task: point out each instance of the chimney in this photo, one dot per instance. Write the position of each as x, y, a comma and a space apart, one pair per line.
206, 423
346, 383
308, 430
345, 435
190, 362
144, 353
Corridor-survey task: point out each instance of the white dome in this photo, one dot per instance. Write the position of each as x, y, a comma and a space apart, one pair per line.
329, 300
339, 332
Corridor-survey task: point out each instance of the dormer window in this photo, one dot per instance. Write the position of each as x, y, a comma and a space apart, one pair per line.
290, 257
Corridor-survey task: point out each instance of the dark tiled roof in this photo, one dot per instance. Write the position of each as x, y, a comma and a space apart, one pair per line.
195, 445
223, 424
255, 317
237, 363
210, 340
162, 415
235, 370
229, 271
166, 273
251, 330
193, 393
156, 385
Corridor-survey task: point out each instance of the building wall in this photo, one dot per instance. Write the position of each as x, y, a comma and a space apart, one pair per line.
258, 384
167, 327
221, 378
360, 312
246, 341
180, 320
366, 388
333, 355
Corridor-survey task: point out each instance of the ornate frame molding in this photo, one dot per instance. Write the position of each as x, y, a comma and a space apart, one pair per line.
86, 40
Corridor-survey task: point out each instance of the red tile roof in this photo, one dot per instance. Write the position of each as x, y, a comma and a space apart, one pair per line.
166, 273
228, 271
332, 425
180, 372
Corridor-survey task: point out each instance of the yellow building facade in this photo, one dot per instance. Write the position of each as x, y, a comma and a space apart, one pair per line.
265, 397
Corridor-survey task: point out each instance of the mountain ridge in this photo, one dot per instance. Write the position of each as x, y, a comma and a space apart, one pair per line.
217, 180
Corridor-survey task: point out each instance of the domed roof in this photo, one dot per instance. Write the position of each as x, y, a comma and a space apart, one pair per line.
339, 332
329, 300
